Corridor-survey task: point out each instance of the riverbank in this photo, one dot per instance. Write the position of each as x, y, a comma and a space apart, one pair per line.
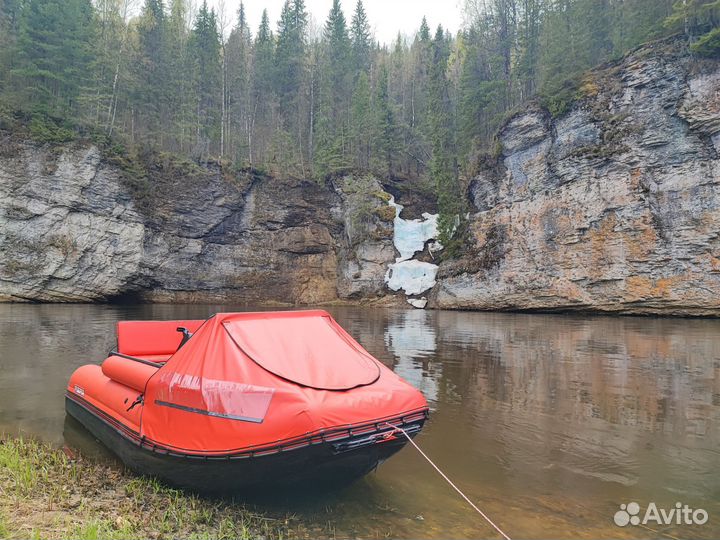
51, 493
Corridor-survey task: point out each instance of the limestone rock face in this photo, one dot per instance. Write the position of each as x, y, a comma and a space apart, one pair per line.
72, 229
67, 231
614, 206
368, 244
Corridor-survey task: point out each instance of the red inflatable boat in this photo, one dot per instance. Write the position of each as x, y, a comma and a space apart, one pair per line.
245, 401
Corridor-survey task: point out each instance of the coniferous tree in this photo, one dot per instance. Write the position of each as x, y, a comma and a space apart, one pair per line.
9, 15
303, 104
150, 97
53, 56
331, 130
443, 166
290, 85
528, 46
238, 52
262, 95
385, 131
480, 93
418, 122
636, 21
362, 122
361, 40
178, 93
695, 17
700, 20
204, 45
8, 35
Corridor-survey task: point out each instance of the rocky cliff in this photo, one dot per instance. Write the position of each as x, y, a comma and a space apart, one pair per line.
613, 206
75, 227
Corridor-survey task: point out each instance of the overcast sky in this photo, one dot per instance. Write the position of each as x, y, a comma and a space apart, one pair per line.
386, 16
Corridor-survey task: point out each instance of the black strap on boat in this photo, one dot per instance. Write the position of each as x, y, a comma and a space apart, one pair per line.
134, 359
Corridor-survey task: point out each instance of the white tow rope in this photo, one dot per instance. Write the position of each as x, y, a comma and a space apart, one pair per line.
430, 461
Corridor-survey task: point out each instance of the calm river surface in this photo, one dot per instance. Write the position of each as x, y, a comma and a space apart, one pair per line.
548, 422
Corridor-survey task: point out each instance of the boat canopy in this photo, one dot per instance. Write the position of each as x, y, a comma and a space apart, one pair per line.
253, 380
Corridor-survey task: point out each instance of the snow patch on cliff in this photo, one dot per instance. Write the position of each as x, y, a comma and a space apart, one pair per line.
410, 235
414, 277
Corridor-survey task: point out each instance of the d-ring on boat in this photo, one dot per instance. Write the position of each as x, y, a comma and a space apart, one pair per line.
244, 401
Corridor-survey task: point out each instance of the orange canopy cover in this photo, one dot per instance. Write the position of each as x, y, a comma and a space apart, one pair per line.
250, 380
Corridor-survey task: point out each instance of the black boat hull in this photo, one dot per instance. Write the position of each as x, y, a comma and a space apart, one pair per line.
318, 465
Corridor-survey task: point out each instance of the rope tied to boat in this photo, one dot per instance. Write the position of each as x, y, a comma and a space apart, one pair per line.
452, 484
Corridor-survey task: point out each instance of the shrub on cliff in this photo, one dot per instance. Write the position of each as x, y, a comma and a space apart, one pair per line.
45, 129
708, 45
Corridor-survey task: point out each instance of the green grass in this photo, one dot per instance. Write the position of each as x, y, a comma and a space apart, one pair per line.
44, 494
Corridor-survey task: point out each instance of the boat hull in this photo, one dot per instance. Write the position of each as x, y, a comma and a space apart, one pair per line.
317, 465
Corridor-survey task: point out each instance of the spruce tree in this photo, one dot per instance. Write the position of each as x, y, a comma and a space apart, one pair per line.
262, 95
443, 166
204, 48
163, 77
53, 55
361, 39
237, 51
361, 124
178, 83
331, 129
695, 17
290, 84
9, 12
385, 138
150, 95
289, 55
700, 20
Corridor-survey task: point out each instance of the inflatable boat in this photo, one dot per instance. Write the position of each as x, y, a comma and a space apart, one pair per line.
245, 401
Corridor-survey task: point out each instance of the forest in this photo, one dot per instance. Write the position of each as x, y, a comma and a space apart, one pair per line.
294, 100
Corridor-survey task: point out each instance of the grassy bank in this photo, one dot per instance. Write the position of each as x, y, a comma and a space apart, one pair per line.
46, 494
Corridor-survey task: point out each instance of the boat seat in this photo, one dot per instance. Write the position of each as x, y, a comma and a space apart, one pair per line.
152, 340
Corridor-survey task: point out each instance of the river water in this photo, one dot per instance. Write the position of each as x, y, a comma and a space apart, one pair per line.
547, 422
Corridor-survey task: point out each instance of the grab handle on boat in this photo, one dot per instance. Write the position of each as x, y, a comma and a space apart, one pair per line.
138, 401
186, 335
134, 359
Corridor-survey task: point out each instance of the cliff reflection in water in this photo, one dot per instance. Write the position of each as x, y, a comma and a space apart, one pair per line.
623, 400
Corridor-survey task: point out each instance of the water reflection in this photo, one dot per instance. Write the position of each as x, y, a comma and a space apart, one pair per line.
548, 422
411, 339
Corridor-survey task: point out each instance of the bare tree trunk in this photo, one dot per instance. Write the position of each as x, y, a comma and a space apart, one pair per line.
223, 114
112, 108
312, 114
250, 131
412, 103
113, 101
113, 104
223, 102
